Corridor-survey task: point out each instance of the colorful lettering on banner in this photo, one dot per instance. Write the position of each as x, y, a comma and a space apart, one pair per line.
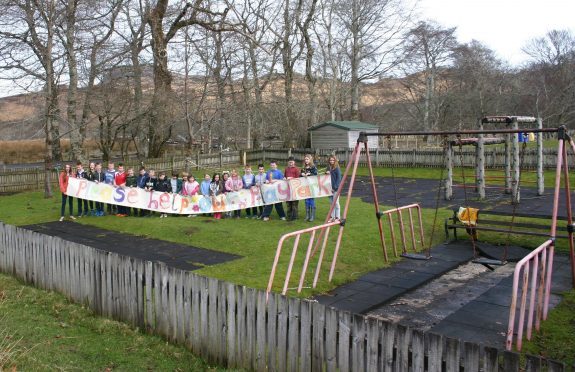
279, 191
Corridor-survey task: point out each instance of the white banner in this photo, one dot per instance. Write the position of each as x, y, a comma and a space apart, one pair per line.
163, 202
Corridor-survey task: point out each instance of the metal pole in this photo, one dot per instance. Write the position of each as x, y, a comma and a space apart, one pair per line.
376, 202
560, 152
568, 206
344, 216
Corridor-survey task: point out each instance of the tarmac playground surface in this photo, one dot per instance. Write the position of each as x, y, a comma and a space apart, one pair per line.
446, 294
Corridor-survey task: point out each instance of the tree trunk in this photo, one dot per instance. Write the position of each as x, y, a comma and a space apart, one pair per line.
76, 139
159, 128
354, 112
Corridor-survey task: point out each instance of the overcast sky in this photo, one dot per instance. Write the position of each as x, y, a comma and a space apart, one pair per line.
502, 25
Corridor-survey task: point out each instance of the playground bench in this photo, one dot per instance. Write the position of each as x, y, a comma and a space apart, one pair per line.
485, 223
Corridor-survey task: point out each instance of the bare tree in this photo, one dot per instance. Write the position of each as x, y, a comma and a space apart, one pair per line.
85, 32
165, 22
29, 52
551, 76
429, 48
373, 31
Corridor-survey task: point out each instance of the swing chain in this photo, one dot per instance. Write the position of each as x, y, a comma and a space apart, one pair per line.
444, 146
515, 202
472, 231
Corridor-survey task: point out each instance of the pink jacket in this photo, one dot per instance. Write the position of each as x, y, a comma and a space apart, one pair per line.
190, 188
234, 183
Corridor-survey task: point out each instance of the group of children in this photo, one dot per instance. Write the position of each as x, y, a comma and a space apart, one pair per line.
187, 185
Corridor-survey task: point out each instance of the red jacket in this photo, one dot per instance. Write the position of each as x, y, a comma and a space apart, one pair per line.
292, 172
120, 178
63, 181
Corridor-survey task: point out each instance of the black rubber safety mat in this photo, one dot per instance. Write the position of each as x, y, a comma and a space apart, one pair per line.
172, 254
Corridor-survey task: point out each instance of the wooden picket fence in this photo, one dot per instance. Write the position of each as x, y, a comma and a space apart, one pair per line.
33, 179
233, 325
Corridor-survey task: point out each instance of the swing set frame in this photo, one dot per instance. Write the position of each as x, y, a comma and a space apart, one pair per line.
319, 234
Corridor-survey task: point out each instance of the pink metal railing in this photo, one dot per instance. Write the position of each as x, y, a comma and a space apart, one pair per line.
543, 253
324, 229
398, 211
539, 265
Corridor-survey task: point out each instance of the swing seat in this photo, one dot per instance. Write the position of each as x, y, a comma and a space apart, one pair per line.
415, 256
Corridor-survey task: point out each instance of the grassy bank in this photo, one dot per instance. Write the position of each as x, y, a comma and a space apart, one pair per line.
43, 331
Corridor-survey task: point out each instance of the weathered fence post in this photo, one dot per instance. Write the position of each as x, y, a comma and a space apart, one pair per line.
515, 164
449, 166
480, 161
540, 177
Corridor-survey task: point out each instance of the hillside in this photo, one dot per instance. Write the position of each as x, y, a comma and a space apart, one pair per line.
21, 115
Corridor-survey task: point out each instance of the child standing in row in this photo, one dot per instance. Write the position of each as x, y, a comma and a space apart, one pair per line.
120, 181
309, 169
131, 181
65, 174
233, 184
163, 185
335, 172
249, 181
292, 172
260, 178
99, 177
273, 175
216, 189
190, 188
81, 173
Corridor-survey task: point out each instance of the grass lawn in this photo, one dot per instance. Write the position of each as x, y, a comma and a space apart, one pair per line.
43, 331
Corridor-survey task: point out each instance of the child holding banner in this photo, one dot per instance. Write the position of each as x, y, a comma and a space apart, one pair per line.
65, 174
131, 181
120, 181
90, 177
109, 176
81, 173
141, 181
309, 169
235, 183
335, 173
191, 186
272, 176
216, 188
99, 177
163, 185
260, 178
292, 172
249, 181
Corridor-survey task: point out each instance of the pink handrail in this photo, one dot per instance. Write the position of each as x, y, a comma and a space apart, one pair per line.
390, 212
297, 235
545, 251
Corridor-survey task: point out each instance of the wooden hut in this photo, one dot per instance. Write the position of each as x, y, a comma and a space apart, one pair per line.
341, 134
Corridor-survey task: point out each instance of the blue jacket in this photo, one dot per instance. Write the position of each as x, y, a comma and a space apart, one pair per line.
141, 180
274, 175
205, 188
335, 178
249, 180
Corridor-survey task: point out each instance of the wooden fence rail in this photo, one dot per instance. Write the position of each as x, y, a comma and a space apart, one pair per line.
233, 325
33, 179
